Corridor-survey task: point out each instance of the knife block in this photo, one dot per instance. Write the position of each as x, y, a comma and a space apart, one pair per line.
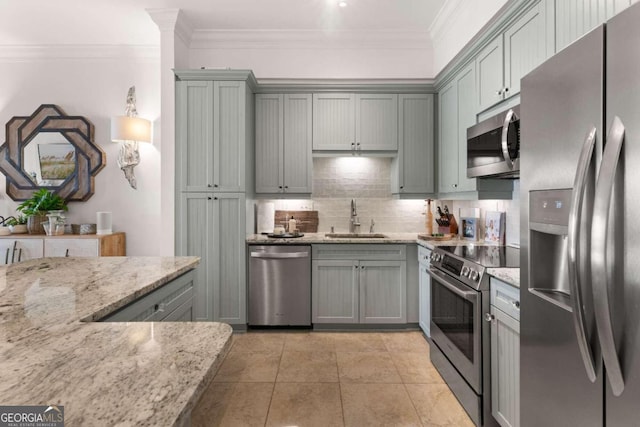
452, 228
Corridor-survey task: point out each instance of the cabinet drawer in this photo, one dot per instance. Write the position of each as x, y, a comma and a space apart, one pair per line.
506, 298
16, 250
72, 247
423, 255
363, 252
159, 304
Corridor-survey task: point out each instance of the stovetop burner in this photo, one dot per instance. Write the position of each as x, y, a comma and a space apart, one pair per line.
486, 256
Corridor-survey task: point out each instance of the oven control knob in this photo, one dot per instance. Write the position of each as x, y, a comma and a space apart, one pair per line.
465, 271
473, 275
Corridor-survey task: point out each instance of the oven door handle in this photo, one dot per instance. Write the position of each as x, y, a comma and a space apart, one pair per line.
444, 280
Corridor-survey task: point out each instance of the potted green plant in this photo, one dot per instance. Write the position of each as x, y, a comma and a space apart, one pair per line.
18, 225
36, 208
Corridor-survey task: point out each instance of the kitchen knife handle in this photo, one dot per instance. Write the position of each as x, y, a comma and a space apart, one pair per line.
601, 257
575, 262
511, 115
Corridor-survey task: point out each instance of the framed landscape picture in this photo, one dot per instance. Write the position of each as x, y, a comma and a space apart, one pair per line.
57, 161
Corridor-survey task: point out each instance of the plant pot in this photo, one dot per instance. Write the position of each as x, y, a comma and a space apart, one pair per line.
34, 224
18, 228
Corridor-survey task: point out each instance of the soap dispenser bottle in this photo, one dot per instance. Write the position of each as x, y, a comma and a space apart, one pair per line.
292, 225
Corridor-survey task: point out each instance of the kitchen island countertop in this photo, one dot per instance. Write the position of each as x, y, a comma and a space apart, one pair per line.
53, 351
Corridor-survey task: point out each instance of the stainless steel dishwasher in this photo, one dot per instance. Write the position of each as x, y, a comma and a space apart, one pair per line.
280, 285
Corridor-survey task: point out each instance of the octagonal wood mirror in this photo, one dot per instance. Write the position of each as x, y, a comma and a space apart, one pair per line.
50, 150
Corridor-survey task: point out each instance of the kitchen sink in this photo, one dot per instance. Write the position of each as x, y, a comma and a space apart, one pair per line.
355, 235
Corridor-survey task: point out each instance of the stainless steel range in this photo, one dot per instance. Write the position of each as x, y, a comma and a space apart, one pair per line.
459, 297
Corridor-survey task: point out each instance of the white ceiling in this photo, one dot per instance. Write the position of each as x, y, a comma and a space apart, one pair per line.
46, 22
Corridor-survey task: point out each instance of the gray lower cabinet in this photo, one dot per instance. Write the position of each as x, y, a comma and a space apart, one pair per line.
424, 288
505, 354
211, 226
172, 302
364, 288
283, 143
413, 167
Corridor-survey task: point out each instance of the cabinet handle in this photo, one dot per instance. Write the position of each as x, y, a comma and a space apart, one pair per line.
209, 198
499, 93
489, 317
506, 89
215, 198
454, 185
215, 185
6, 258
402, 187
286, 187
66, 254
280, 187
358, 146
353, 144
13, 254
209, 185
516, 304
20, 255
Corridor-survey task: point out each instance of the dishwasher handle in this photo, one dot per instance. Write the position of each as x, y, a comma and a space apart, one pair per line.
284, 255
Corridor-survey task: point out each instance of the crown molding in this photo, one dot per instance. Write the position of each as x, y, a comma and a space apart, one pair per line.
309, 39
345, 85
445, 17
80, 51
172, 20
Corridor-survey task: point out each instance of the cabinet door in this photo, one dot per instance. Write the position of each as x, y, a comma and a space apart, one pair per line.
194, 135
489, 65
229, 139
298, 161
524, 47
448, 140
425, 299
72, 247
465, 91
576, 18
335, 290
383, 292
195, 237
269, 143
334, 121
376, 122
415, 145
505, 369
16, 250
229, 294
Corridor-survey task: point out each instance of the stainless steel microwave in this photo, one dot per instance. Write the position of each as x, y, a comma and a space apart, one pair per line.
493, 146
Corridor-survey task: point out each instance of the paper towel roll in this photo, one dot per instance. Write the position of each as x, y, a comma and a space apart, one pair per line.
266, 217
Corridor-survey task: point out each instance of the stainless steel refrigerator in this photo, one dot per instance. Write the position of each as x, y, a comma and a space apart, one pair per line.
580, 232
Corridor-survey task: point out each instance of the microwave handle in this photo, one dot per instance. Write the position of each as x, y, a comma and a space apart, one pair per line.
511, 115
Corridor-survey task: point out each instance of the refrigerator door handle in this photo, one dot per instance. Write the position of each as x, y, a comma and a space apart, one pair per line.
511, 115
602, 275
576, 268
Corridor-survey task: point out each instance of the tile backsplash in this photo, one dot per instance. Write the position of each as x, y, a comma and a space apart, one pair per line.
368, 180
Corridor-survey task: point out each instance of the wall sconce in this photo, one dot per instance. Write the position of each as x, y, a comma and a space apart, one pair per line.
129, 130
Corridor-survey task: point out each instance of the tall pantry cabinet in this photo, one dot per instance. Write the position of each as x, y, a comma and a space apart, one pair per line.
214, 178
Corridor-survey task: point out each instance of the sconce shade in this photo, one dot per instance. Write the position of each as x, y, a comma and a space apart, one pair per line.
124, 128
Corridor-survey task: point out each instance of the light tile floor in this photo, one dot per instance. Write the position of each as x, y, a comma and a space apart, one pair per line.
329, 379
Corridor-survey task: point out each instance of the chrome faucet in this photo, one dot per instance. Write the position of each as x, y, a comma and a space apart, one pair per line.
354, 223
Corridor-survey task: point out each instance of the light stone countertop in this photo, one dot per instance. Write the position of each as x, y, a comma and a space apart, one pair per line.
125, 374
507, 275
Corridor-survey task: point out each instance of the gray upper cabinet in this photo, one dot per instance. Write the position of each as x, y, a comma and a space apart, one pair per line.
448, 138
507, 58
354, 122
334, 121
413, 168
490, 67
283, 143
376, 122
575, 18
211, 135
465, 88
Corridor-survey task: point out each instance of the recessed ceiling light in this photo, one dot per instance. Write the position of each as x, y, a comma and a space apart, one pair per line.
342, 3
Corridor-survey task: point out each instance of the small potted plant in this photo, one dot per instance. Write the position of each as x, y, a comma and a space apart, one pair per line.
36, 208
18, 225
